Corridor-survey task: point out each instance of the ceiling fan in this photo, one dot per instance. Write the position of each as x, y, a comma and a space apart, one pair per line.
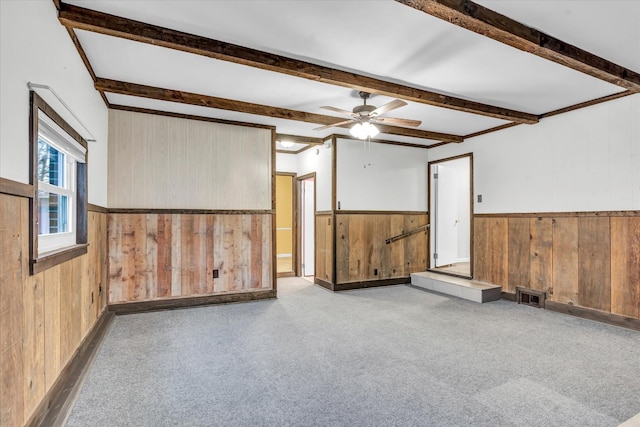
365, 116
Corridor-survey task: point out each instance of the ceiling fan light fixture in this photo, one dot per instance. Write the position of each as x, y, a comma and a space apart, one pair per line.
286, 144
364, 130
370, 129
356, 130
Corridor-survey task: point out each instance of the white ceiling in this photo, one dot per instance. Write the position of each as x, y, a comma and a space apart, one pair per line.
382, 39
607, 28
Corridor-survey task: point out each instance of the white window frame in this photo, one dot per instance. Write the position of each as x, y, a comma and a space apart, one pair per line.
74, 153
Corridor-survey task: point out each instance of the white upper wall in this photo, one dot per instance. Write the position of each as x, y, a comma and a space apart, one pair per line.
318, 160
381, 177
286, 163
35, 47
584, 160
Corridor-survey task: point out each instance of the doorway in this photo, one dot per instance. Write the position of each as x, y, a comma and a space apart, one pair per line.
307, 219
450, 216
285, 224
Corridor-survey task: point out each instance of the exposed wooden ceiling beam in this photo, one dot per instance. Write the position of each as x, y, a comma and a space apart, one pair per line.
556, 112
388, 142
151, 92
479, 19
586, 104
299, 139
91, 20
187, 116
490, 130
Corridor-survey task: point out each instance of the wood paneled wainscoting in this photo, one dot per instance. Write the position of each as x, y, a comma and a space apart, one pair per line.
164, 259
45, 319
324, 256
587, 263
362, 256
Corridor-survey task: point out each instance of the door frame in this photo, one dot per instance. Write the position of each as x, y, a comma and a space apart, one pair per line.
471, 220
294, 228
300, 220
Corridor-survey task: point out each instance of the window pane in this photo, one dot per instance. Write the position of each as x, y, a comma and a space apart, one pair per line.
50, 164
53, 213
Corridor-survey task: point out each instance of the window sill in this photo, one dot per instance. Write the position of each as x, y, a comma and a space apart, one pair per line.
51, 259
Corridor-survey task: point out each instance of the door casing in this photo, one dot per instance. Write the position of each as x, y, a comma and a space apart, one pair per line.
471, 210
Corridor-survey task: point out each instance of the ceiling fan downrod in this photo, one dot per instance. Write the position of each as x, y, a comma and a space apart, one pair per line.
364, 108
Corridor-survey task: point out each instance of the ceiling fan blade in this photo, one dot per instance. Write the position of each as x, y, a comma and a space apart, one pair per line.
335, 124
396, 103
394, 121
337, 110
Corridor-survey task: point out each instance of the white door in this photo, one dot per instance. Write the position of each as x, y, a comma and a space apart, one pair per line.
445, 234
308, 227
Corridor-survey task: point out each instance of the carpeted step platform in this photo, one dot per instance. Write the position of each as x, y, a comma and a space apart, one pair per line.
471, 290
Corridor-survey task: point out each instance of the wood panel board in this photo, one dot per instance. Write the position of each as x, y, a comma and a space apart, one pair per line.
164, 244
324, 247
625, 266
66, 312
33, 342
518, 254
52, 351
232, 244
356, 252
268, 256
372, 258
498, 247
415, 246
115, 255
594, 263
151, 267
395, 250
89, 313
481, 249
83, 289
128, 271
256, 261
342, 248
491, 250
540, 254
138, 252
565, 261
12, 395
176, 255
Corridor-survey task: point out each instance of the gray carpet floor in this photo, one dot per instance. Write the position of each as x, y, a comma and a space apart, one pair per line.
390, 356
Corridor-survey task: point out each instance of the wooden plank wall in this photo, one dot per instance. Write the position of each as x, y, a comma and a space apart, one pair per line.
161, 256
586, 260
44, 317
324, 247
361, 247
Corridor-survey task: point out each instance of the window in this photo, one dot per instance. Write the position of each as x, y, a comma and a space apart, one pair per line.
58, 211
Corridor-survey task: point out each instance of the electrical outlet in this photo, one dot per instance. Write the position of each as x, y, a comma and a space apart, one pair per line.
479, 198
100, 288
91, 297
215, 273
375, 271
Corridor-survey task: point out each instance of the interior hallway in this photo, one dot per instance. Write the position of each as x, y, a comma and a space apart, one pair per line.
382, 356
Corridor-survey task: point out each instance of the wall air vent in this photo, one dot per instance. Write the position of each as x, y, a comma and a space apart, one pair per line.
530, 297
